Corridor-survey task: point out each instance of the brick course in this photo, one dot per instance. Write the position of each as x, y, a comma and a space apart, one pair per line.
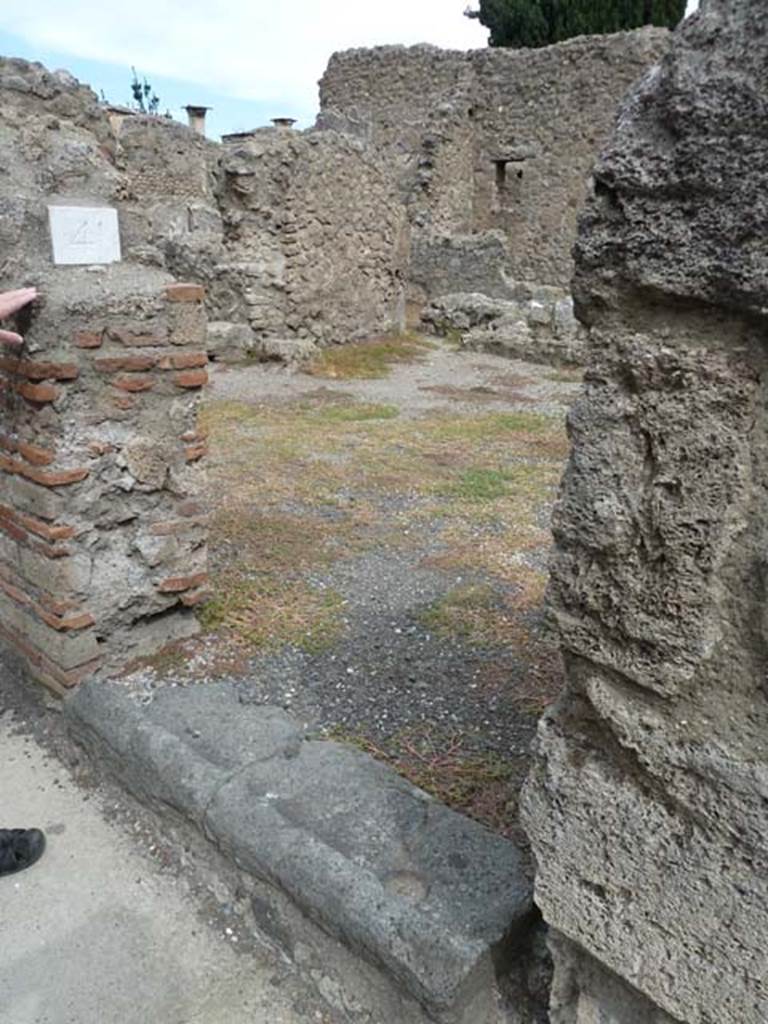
87, 579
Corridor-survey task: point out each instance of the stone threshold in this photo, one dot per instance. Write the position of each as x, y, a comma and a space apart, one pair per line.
416, 913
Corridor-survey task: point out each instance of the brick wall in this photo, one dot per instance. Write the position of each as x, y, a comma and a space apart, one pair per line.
102, 536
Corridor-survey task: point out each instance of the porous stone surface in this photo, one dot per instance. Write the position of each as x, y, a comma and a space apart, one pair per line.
647, 804
489, 139
429, 907
291, 351
444, 264
538, 324
228, 342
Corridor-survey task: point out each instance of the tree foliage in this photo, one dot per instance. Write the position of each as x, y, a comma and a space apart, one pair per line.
541, 22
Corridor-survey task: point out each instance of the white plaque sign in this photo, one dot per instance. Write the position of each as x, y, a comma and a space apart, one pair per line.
84, 234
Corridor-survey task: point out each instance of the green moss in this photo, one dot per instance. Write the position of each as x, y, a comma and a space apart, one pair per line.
358, 412
480, 485
462, 611
368, 359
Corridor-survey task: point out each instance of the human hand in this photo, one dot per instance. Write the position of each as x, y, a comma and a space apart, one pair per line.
10, 303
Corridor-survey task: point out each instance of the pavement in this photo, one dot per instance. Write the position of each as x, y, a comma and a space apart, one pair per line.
326, 836
98, 933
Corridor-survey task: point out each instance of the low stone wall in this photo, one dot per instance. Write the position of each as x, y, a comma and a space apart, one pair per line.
538, 324
102, 540
647, 807
447, 264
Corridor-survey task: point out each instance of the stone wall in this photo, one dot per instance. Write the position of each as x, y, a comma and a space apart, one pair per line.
491, 139
102, 539
647, 805
315, 238
538, 324
169, 212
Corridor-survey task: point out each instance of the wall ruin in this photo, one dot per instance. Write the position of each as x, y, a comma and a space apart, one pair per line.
315, 238
647, 804
300, 235
490, 139
102, 538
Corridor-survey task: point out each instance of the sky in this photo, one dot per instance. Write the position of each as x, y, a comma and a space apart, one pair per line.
250, 60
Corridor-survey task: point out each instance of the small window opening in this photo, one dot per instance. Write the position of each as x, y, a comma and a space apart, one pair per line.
503, 173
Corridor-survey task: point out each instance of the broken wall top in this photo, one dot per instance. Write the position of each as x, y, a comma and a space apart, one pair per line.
681, 193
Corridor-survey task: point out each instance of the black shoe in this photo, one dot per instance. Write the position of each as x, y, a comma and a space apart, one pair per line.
20, 848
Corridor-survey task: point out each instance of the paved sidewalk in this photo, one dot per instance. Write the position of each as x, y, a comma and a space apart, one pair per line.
97, 933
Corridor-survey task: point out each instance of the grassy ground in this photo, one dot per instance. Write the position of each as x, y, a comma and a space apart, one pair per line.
369, 359
303, 484
480, 479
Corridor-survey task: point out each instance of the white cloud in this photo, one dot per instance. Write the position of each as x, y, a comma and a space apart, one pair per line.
254, 49
257, 50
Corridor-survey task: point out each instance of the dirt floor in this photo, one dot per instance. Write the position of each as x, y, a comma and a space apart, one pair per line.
379, 544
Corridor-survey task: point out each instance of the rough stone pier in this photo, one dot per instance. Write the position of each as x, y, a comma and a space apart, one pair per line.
647, 806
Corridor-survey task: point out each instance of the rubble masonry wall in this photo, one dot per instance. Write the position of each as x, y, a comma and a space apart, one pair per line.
491, 139
647, 806
102, 535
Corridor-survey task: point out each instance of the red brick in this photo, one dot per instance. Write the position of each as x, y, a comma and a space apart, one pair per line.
89, 339
57, 551
41, 394
175, 584
69, 678
17, 595
185, 292
195, 597
57, 606
37, 526
190, 379
48, 371
133, 339
137, 383
183, 360
60, 478
130, 364
193, 452
98, 448
13, 530
124, 401
68, 625
170, 527
49, 533
36, 455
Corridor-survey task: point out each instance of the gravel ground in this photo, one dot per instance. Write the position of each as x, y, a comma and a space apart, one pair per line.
438, 703
447, 379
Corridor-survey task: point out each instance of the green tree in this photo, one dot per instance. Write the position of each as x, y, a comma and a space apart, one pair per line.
541, 22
